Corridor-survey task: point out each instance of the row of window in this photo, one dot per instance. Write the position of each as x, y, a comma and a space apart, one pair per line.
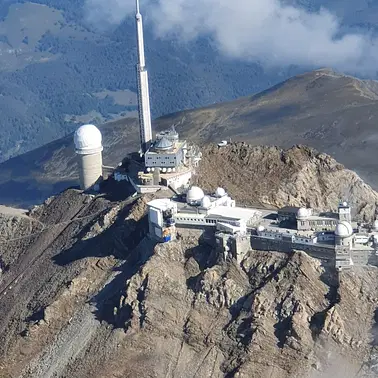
190, 219
212, 221
319, 223
303, 240
161, 157
161, 163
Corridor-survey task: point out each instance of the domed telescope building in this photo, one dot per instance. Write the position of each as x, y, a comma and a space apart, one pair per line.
88, 148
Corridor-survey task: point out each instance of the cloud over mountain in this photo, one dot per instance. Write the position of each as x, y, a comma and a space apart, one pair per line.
262, 30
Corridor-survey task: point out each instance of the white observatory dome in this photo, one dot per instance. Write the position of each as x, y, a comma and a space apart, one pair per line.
163, 144
194, 195
206, 202
260, 228
88, 139
344, 229
302, 213
220, 192
345, 204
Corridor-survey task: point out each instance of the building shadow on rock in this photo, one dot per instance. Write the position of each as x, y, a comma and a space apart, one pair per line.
116, 190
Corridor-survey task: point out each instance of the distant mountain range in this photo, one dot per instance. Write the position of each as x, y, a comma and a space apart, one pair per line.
61, 72
333, 113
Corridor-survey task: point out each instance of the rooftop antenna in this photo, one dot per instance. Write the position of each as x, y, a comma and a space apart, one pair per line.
143, 92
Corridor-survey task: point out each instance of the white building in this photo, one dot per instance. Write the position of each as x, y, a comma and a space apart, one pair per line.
161, 219
169, 162
200, 211
88, 147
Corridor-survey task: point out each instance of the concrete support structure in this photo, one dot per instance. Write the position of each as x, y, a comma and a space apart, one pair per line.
90, 170
88, 147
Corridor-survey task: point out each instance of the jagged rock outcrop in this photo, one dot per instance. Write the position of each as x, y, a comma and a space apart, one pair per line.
89, 295
277, 315
299, 176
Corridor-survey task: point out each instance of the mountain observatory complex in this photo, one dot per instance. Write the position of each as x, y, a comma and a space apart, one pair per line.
167, 164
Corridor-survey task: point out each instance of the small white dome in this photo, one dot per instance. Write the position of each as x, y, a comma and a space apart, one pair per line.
345, 204
220, 192
87, 138
302, 213
375, 224
344, 229
194, 195
206, 202
260, 228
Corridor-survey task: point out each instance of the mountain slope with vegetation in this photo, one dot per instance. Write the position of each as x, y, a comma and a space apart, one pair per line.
55, 68
332, 113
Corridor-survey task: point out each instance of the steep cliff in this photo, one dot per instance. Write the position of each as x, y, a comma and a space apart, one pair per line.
180, 313
277, 315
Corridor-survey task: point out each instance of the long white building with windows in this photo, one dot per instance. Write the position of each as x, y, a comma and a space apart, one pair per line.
238, 229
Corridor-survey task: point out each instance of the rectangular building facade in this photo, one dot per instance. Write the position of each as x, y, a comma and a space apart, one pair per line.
165, 159
317, 224
287, 213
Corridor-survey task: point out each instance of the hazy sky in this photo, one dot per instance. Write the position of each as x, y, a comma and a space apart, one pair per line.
263, 30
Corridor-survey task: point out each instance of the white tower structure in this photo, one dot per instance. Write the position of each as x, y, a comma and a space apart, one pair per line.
344, 212
88, 146
143, 92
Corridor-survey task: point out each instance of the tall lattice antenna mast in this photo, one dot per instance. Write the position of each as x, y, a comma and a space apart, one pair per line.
143, 92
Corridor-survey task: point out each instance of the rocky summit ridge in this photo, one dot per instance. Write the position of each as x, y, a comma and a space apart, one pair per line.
274, 177
86, 293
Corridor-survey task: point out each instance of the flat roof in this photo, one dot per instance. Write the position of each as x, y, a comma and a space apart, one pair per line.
289, 209
161, 203
233, 212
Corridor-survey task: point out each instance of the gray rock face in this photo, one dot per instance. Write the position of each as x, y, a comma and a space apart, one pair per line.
299, 176
91, 296
277, 315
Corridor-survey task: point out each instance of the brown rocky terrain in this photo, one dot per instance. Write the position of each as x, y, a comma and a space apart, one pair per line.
273, 177
331, 112
87, 294
122, 307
